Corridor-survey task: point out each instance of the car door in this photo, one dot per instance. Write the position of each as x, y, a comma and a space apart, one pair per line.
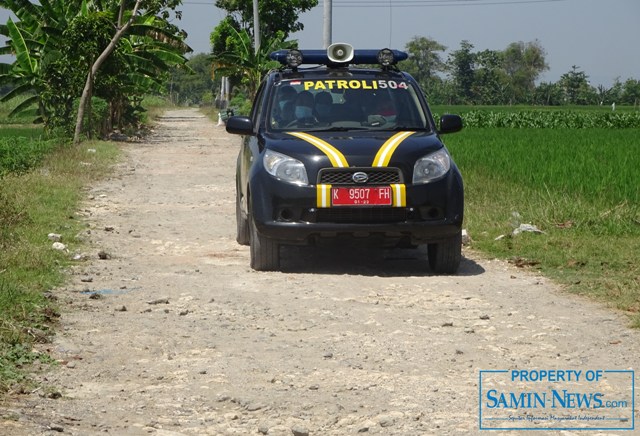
251, 148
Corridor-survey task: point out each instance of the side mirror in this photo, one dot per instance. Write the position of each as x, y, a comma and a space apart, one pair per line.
450, 123
240, 125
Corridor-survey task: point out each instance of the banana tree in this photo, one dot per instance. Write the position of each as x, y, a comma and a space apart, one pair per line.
146, 45
154, 34
24, 72
31, 39
241, 60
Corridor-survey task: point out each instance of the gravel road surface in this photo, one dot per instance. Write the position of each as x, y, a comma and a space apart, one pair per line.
167, 331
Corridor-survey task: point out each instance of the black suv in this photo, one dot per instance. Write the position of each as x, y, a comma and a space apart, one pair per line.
339, 150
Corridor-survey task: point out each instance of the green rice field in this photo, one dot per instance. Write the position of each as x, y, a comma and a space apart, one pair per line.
581, 187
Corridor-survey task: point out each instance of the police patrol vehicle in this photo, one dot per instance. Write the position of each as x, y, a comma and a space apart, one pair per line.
343, 149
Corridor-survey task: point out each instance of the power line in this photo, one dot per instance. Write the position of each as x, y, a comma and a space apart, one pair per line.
410, 3
433, 3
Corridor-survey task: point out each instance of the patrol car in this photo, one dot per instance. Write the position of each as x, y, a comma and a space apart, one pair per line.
341, 144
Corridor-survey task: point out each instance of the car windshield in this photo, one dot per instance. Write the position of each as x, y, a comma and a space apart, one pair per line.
353, 104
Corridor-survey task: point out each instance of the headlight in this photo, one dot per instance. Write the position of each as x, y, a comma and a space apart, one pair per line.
285, 168
431, 167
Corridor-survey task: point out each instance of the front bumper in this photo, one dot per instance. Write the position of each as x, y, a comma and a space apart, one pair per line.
289, 213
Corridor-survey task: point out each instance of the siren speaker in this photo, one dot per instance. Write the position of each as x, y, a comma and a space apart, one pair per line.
340, 52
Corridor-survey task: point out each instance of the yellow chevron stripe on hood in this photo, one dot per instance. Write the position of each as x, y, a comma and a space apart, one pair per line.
335, 156
386, 151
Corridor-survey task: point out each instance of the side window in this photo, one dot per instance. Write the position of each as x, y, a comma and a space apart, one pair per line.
409, 108
258, 105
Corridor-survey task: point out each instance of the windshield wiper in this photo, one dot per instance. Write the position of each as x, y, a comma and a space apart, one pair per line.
405, 129
398, 128
337, 129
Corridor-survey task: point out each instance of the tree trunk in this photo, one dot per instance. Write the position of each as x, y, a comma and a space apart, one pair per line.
86, 96
86, 92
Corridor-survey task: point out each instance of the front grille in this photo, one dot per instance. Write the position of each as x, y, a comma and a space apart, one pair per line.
344, 176
362, 215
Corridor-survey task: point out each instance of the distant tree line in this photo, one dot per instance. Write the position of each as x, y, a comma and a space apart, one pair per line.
465, 77
505, 77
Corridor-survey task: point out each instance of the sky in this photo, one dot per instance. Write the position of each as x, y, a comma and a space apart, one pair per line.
600, 37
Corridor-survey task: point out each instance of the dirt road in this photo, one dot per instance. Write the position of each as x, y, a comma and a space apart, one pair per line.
172, 333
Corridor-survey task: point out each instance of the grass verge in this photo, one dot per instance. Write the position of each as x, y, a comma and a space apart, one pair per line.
32, 205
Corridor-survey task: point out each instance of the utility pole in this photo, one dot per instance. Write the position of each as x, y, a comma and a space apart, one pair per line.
327, 23
256, 26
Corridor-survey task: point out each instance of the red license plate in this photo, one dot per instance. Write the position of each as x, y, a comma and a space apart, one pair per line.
361, 196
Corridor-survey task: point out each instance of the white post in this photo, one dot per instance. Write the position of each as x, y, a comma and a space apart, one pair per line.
327, 23
256, 26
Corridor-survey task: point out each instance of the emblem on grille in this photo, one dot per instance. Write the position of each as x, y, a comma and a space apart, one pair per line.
360, 177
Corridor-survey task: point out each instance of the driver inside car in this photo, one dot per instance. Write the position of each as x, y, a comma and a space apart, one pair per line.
323, 104
304, 106
284, 110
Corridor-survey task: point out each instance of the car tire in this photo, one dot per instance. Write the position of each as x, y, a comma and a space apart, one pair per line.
242, 225
445, 257
265, 252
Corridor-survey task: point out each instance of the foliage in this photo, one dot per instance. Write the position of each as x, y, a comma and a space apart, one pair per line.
19, 154
240, 59
274, 16
193, 84
99, 124
548, 94
490, 80
23, 119
630, 93
523, 63
57, 42
232, 41
461, 65
223, 35
509, 76
575, 85
240, 103
495, 77
64, 72
425, 64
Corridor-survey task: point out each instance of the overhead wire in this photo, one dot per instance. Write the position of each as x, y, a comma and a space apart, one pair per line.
408, 3
433, 3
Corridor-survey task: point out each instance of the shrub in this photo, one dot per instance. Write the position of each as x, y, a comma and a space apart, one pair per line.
18, 154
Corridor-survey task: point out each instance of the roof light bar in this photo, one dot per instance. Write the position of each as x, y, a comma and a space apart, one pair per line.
294, 58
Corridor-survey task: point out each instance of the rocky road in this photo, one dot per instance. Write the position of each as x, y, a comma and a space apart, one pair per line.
167, 331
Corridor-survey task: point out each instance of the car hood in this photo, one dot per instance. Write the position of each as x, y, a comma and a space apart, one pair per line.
360, 149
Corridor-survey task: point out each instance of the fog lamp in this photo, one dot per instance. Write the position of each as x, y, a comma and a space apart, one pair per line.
386, 57
294, 58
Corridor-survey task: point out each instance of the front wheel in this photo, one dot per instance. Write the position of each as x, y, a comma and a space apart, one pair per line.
445, 257
265, 252
242, 224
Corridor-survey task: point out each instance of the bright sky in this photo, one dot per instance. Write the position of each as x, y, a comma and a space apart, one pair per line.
601, 37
